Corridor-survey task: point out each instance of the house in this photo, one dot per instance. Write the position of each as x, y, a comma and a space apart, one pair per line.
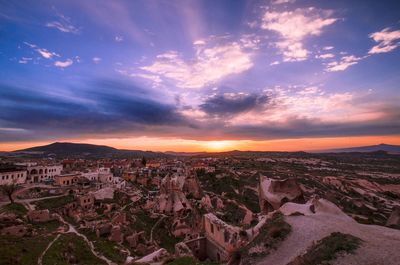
85, 201
67, 179
222, 239
12, 174
40, 173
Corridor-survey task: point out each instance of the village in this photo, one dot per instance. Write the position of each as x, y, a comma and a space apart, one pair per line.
169, 210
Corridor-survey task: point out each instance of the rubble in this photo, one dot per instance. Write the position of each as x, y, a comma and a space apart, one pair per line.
182, 250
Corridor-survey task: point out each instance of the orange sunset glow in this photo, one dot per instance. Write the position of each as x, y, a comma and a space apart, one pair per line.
181, 145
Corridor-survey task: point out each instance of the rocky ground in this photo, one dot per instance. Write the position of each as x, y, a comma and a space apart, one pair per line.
364, 187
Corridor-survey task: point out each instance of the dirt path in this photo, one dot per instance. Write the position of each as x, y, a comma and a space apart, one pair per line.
28, 201
72, 229
48, 246
155, 225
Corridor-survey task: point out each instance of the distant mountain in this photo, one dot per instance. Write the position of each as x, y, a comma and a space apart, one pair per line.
172, 153
86, 150
391, 149
234, 153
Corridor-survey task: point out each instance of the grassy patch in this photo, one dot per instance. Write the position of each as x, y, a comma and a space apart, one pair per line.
143, 222
104, 246
271, 234
22, 251
166, 240
15, 208
74, 246
327, 248
233, 214
47, 227
54, 203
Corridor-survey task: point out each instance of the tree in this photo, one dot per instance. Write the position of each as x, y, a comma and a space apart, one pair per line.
144, 162
8, 190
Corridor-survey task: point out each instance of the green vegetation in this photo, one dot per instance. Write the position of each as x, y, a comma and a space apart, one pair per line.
16, 208
73, 247
233, 213
47, 227
271, 234
327, 248
54, 203
143, 222
250, 200
104, 246
166, 240
22, 251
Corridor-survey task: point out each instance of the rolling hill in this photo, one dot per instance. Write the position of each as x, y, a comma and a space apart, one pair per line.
391, 149
64, 149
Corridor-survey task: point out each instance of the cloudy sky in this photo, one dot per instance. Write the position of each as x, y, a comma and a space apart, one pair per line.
200, 75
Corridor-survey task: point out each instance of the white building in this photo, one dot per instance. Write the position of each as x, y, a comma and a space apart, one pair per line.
102, 175
12, 175
40, 173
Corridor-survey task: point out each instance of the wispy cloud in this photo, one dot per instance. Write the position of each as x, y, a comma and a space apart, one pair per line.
64, 64
96, 60
63, 24
325, 56
279, 2
25, 60
43, 52
119, 38
209, 65
344, 63
387, 41
294, 27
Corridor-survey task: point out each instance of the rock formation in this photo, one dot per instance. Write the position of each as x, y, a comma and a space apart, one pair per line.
274, 193
394, 219
172, 200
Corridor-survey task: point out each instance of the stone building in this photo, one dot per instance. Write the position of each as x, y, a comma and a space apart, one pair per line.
222, 239
85, 201
66, 179
12, 174
39, 173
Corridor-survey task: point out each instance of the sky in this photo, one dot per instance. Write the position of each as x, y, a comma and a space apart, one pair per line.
200, 75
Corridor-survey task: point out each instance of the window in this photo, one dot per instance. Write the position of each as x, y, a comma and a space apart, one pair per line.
212, 228
226, 236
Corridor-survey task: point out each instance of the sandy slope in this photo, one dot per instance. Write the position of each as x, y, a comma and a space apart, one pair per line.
381, 245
